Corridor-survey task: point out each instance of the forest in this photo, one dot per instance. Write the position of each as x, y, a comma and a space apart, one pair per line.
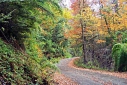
36, 34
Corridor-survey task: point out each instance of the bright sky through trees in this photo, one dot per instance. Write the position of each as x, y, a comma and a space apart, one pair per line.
94, 6
66, 3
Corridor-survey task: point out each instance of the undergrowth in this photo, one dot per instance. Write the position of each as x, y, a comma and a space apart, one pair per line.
89, 65
18, 68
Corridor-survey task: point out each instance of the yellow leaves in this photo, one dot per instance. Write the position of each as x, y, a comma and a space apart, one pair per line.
67, 13
125, 7
122, 1
119, 21
86, 13
113, 21
98, 23
88, 31
44, 32
39, 51
109, 20
113, 5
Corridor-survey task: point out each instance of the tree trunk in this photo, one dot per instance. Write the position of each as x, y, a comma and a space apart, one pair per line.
116, 5
83, 26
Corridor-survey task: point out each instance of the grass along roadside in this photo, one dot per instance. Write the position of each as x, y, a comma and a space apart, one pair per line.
78, 62
74, 64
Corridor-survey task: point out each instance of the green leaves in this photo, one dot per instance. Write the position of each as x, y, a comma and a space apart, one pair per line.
119, 53
37, 28
3, 17
22, 16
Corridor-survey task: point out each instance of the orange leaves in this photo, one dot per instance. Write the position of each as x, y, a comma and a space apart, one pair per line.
109, 18
100, 41
75, 7
75, 33
113, 17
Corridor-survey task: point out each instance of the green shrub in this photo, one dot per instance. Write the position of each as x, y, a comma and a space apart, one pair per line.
89, 65
68, 55
119, 54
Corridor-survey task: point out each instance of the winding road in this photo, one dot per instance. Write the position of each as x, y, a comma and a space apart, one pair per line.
88, 77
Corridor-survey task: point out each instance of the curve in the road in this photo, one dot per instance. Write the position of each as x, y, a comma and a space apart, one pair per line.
86, 77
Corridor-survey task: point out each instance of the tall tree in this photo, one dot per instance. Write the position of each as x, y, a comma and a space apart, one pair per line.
83, 25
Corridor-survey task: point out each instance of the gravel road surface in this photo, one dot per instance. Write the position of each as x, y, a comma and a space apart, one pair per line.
86, 77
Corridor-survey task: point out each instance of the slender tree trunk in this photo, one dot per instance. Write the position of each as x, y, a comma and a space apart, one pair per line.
116, 5
83, 26
83, 42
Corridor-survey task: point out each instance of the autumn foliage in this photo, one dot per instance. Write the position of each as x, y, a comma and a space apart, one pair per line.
98, 25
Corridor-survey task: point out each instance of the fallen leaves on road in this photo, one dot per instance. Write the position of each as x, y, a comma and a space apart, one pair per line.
60, 79
116, 74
